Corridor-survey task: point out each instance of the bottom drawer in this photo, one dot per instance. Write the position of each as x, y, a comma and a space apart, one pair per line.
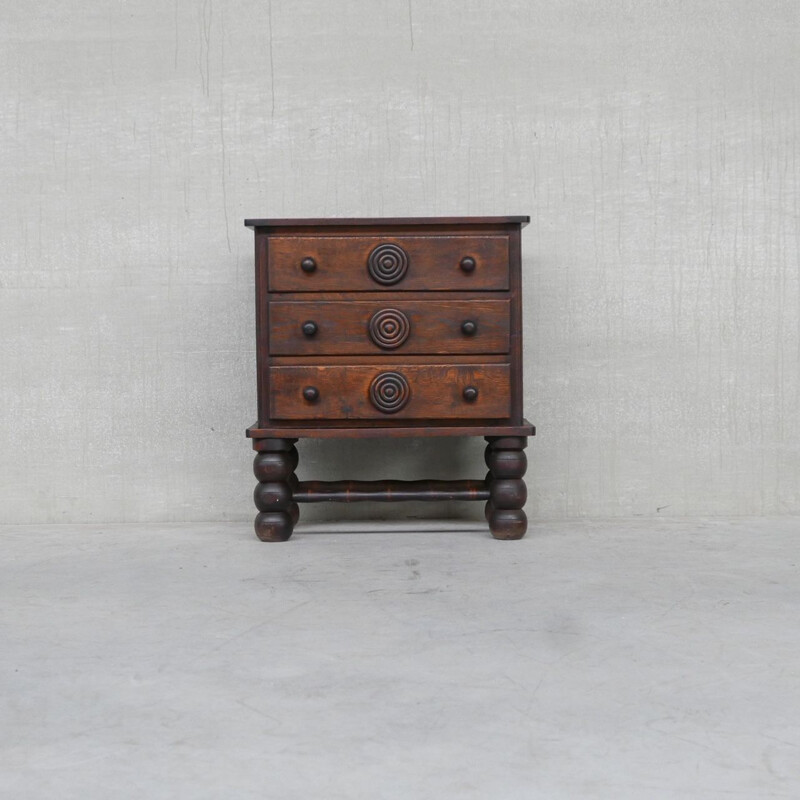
399, 391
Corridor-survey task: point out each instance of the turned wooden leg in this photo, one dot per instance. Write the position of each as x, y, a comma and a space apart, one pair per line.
508, 493
274, 466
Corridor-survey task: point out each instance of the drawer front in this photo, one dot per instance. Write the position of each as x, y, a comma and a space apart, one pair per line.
348, 327
396, 263
398, 391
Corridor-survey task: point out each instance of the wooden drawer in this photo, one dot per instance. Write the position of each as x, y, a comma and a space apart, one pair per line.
351, 327
394, 263
396, 391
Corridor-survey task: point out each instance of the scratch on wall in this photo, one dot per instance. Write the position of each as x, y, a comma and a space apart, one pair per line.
205, 45
224, 165
177, 32
271, 62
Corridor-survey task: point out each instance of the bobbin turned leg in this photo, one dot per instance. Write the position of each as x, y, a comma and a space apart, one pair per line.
508, 493
274, 466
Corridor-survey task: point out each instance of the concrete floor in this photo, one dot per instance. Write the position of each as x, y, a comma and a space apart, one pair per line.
621, 659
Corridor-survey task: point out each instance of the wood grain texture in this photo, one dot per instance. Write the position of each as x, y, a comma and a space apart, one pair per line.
433, 262
515, 285
436, 392
262, 324
274, 466
383, 222
378, 429
435, 327
459, 358
507, 464
389, 491
393, 329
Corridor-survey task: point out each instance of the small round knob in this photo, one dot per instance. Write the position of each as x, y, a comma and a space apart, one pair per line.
470, 394
308, 265
310, 328
311, 393
467, 264
468, 327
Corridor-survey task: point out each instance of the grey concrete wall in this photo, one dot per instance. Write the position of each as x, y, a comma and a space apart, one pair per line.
653, 143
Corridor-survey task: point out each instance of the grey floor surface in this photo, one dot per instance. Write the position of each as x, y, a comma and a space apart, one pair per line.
619, 659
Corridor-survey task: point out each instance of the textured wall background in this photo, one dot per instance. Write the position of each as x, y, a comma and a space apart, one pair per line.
653, 143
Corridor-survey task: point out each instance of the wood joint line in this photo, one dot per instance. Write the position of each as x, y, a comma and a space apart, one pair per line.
388, 491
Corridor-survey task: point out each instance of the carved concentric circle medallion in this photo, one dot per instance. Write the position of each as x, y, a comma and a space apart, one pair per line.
389, 392
389, 328
387, 264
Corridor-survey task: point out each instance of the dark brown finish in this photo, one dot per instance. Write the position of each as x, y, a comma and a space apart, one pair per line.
515, 279
507, 464
388, 327
430, 263
434, 391
381, 360
386, 429
389, 392
274, 467
388, 491
387, 264
387, 222
311, 394
353, 326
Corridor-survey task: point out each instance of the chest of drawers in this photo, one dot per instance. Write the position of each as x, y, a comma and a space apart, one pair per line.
386, 328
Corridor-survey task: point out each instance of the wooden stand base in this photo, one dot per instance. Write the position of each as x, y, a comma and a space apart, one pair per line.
278, 491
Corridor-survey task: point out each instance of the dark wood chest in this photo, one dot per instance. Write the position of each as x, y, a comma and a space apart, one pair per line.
388, 327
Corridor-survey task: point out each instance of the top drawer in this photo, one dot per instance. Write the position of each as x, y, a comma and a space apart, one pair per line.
397, 263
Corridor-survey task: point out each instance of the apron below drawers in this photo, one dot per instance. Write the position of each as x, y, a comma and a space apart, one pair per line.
399, 391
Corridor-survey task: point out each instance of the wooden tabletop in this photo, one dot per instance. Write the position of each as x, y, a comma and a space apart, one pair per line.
384, 221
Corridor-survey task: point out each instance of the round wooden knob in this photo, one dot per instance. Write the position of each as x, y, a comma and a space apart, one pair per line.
311, 393
310, 328
467, 264
468, 327
308, 265
389, 392
470, 394
389, 328
387, 264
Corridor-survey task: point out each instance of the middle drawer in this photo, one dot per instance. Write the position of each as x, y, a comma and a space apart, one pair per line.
365, 327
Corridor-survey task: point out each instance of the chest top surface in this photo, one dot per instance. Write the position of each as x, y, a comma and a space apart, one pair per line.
383, 221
